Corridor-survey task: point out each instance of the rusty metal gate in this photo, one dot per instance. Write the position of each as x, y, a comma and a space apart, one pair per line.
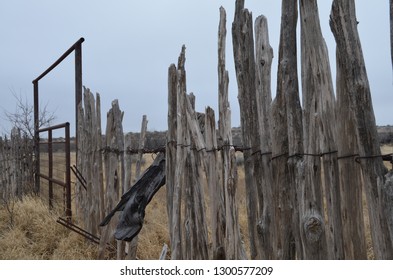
45, 148
55, 166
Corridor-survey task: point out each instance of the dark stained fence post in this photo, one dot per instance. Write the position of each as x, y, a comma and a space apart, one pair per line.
50, 168
68, 171
78, 86
36, 139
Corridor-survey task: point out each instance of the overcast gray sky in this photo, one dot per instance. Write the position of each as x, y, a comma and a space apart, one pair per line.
130, 44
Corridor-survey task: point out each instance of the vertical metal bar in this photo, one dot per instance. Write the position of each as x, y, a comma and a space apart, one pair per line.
78, 87
50, 167
68, 172
36, 140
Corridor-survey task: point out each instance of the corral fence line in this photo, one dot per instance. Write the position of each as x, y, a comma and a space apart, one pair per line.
16, 166
105, 164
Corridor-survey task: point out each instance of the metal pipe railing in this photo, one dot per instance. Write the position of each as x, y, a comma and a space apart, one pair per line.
77, 47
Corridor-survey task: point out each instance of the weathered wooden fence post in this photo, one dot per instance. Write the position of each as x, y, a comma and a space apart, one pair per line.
114, 172
234, 248
217, 200
171, 146
218, 191
89, 162
351, 184
181, 154
243, 52
197, 162
133, 245
350, 58
80, 189
141, 146
287, 126
263, 58
319, 122
99, 165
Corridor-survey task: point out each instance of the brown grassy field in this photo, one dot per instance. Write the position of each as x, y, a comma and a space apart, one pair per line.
36, 235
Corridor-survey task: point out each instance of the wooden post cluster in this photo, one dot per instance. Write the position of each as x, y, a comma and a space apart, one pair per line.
186, 205
304, 189
192, 155
16, 165
105, 165
90, 200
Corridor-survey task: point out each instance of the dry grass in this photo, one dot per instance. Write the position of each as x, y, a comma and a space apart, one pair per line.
36, 235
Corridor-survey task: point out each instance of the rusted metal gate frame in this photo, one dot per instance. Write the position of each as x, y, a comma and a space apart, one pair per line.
49, 177
77, 47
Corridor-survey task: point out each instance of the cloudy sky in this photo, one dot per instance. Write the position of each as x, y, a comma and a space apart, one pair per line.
130, 44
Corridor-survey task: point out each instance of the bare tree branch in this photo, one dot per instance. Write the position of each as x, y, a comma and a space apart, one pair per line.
23, 116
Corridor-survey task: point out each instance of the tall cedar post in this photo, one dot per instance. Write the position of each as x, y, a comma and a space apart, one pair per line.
197, 161
234, 248
218, 190
243, 52
217, 206
171, 145
114, 172
319, 121
99, 163
181, 154
190, 236
263, 58
350, 176
129, 249
79, 190
350, 59
88, 162
287, 126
